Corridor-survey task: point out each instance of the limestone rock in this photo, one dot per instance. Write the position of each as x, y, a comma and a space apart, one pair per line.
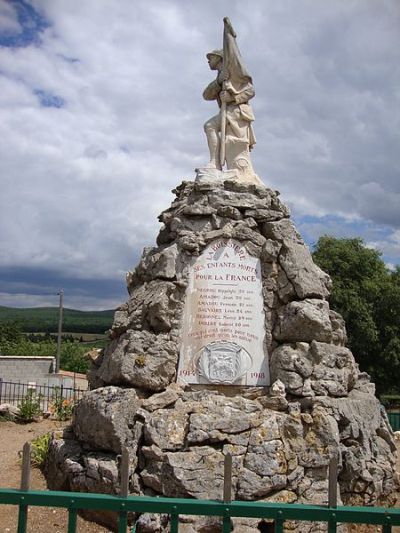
158, 264
291, 365
9, 411
275, 403
277, 388
335, 371
295, 258
316, 369
141, 359
222, 419
148, 523
104, 418
99, 474
62, 462
163, 399
339, 335
166, 429
304, 321
308, 279
197, 473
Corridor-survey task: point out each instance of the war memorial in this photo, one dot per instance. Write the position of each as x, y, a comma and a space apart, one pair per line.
227, 345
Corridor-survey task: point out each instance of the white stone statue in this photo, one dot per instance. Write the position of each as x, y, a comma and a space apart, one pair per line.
230, 134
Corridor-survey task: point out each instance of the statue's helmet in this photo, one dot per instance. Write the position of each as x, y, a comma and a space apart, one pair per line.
219, 53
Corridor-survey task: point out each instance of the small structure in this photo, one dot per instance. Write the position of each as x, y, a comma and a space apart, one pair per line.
27, 368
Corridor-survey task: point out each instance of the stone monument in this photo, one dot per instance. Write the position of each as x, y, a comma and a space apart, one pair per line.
227, 344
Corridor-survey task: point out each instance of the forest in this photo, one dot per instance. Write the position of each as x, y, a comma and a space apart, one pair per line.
45, 319
367, 294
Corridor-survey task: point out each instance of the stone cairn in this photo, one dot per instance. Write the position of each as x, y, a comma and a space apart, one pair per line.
281, 437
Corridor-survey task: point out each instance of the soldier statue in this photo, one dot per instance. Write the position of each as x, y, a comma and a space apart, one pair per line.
230, 134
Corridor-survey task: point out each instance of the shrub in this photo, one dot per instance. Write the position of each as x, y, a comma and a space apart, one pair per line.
73, 358
29, 407
39, 449
61, 408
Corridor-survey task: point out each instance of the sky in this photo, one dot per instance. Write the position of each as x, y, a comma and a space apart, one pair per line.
101, 116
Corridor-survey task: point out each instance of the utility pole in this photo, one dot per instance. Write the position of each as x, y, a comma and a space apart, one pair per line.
60, 318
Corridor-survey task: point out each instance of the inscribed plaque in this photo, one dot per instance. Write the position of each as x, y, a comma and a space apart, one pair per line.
223, 322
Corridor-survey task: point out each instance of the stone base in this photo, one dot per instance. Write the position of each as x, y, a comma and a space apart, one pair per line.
213, 175
177, 441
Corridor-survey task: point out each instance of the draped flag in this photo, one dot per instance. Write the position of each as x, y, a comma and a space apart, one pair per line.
236, 77
233, 69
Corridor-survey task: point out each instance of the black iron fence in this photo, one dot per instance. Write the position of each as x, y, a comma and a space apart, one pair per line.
12, 392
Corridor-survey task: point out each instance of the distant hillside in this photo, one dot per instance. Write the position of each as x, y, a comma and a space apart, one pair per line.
45, 319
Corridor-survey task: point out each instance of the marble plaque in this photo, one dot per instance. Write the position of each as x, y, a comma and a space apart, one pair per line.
223, 323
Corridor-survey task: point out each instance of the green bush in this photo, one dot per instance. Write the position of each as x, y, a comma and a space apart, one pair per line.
28, 347
29, 407
72, 357
61, 408
39, 449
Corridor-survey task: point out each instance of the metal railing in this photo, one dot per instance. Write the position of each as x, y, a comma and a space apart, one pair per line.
175, 507
394, 420
225, 509
13, 392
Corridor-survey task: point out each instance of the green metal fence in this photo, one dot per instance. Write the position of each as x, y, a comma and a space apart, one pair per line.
279, 513
394, 419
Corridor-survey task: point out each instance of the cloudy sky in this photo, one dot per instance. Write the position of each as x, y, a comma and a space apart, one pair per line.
101, 116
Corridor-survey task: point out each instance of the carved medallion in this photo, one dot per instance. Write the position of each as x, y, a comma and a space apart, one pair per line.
223, 362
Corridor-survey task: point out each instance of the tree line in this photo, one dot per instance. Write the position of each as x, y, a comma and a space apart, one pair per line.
45, 319
367, 294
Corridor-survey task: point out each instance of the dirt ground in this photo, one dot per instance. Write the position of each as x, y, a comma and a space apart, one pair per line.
40, 519
44, 519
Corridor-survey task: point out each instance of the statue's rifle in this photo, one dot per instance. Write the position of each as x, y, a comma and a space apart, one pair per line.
223, 130
225, 72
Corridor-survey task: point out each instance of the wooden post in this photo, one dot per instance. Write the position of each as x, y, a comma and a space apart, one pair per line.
59, 334
124, 473
332, 481
124, 490
25, 482
228, 478
26, 466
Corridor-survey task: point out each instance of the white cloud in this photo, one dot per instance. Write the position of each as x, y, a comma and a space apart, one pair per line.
389, 246
379, 204
8, 18
84, 303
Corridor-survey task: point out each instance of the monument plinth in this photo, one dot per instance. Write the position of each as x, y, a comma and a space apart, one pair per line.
223, 321
227, 344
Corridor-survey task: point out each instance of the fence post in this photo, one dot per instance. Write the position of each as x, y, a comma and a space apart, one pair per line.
25, 482
26, 466
226, 520
228, 478
124, 489
332, 481
1, 388
332, 491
